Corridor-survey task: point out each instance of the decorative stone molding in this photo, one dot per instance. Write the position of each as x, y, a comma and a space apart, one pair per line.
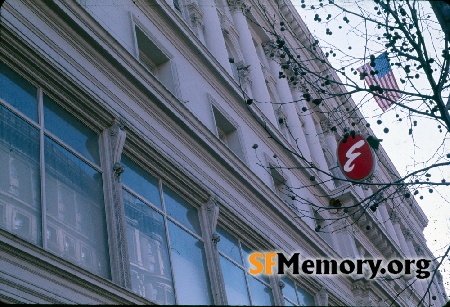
419, 251
225, 23
270, 48
117, 137
244, 74
195, 16
326, 125
239, 5
321, 297
395, 217
212, 214
113, 139
359, 288
408, 235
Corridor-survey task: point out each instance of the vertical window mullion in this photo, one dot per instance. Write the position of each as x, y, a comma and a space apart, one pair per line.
241, 252
166, 229
40, 96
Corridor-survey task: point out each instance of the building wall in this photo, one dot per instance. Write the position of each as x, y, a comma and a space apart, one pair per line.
132, 95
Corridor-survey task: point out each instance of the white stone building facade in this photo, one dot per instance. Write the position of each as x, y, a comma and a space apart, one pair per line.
133, 170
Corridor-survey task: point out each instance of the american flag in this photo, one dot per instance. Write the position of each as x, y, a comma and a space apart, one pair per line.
385, 79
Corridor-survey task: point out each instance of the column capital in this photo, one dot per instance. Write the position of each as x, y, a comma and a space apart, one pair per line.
326, 124
408, 235
270, 47
195, 15
239, 5
395, 217
244, 73
295, 85
419, 251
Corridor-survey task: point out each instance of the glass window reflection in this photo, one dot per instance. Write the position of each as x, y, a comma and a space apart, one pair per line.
228, 245
235, 285
183, 212
261, 294
70, 130
74, 192
19, 178
190, 270
147, 246
140, 181
18, 92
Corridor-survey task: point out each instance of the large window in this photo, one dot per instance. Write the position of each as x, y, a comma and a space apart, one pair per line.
51, 182
167, 257
241, 288
294, 295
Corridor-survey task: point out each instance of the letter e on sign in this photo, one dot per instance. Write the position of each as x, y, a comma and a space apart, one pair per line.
356, 158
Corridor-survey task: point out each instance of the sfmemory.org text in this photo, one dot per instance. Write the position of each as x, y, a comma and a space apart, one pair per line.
271, 262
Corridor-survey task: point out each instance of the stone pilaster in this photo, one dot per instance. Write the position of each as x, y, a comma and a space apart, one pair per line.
113, 140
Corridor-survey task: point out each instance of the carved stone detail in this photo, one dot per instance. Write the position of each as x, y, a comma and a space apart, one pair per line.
196, 16
239, 5
113, 140
395, 217
244, 74
212, 214
408, 235
322, 297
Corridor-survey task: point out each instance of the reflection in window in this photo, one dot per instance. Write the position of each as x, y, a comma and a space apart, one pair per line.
150, 267
183, 212
18, 92
241, 288
140, 182
75, 224
73, 132
152, 260
19, 162
75, 207
294, 295
235, 285
189, 265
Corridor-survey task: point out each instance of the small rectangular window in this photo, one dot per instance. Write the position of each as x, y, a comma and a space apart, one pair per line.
154, 59
227, 133
280, 184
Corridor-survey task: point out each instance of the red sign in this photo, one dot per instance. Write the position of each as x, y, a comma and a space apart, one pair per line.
355, 157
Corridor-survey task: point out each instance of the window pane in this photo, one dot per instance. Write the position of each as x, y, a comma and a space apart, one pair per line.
19, 177
305, 298
75, 208
261, 294
189, 265
18, 92
288, 303
228, 245
140, 181
183, 212
69, 129
147, 247
289, 289
235, 285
